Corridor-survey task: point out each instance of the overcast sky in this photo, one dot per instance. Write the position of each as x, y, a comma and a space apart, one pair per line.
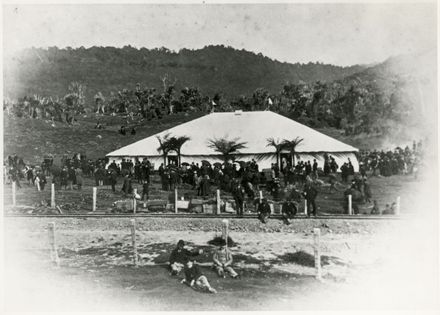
342, 34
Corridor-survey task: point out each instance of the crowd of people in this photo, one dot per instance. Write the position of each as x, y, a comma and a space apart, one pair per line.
286, 185
392, 162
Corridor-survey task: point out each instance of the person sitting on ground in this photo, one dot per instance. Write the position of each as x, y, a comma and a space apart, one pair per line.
375, 209
263, 210
195, 279
387, 210
288, 211
179, 256
223, 260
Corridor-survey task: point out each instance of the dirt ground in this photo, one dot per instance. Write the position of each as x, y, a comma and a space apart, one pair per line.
97, 273
374, 264
384, 189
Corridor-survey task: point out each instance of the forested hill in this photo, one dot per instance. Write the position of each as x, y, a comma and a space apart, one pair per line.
212, 69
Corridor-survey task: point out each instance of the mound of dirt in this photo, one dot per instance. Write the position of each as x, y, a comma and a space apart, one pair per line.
218, 241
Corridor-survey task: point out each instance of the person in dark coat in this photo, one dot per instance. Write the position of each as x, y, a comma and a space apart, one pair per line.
79, 178
179, 256
367, 191
145, 171
344, 172
238, 193
326, 167
126, 187
30, 176
71, 178
204, 186
145, 191
113, 179
288, 211
195, 279
43, 180
263, 210
123, 131
333, 165
63, 175
315, 167
308, 168
137, 172
310, 194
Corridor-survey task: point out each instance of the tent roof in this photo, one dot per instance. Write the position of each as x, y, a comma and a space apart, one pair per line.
254, 128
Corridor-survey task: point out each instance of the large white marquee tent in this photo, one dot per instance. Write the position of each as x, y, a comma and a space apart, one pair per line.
253, 128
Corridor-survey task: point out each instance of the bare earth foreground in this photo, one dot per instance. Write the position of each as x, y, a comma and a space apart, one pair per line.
367, 264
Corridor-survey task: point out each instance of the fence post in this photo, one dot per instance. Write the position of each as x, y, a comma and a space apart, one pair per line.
398, 205
350, 208
317, 251
305, 206
94, 199
52, 243
52, 196
260, 195
175, 200
218, 202
13, 194
134, 200
133, 240
225, 232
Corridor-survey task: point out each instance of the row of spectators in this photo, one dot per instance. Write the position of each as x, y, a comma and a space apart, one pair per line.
392, 162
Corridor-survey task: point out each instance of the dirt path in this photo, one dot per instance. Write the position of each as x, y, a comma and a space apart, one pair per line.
276, 265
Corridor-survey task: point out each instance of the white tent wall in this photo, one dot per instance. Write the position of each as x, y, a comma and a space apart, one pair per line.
263, 160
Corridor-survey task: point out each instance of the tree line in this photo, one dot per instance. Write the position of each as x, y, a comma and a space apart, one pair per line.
352, 105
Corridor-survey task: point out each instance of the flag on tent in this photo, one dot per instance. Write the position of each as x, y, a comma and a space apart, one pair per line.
269, 101
213, 103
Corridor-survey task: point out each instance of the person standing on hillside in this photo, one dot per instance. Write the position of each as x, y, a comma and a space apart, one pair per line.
79, 178
71, 178
310, 194
63, 176
145, 191
315, 168
43, 180
238, 193
30, 175
113, 179
126, 186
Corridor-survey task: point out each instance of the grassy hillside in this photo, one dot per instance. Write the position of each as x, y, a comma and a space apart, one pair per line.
33, 138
